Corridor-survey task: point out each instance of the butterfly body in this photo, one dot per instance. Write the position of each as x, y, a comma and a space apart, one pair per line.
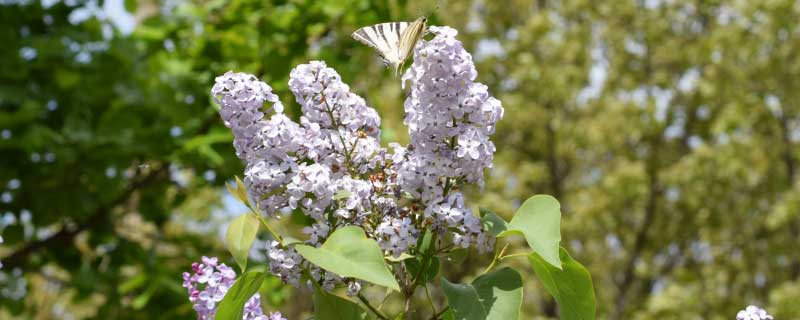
394, 41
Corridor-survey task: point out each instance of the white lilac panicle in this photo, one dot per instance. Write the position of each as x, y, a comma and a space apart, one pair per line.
241, 98
449, 116
207, 285
450, 119
266, 145
753, 313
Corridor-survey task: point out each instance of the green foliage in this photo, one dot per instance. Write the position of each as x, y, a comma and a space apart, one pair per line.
430, 269
232, 305
348, 252
329, 306
571, 286
240, 236
494, 296
539, 221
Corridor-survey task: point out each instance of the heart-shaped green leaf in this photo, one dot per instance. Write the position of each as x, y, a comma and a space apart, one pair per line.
232, 305
571, 286
348, 252
240, 236
493, 223
539, 221
494, 296
332, 307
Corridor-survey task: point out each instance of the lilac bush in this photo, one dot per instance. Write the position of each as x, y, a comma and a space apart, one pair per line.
333, 168
381, 215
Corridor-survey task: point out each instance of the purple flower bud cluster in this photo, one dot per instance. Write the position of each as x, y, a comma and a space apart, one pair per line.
207, 285
330, 165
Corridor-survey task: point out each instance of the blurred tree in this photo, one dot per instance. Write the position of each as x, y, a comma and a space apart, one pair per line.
669, 132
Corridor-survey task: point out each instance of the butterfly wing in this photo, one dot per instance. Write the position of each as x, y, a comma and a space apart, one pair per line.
409, 39
385, 38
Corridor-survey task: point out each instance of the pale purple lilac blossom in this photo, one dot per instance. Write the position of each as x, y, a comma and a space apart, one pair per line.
207, 285
753, 313
331, 167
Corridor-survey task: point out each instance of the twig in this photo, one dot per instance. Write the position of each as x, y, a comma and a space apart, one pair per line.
375, 311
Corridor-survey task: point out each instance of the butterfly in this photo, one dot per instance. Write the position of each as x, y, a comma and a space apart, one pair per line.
395, 41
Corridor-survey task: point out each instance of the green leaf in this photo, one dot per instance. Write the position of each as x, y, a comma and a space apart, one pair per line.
424, 242
289, 240
571, 286
232, 305
494, 296
430, 272
240, 236
239, 191
332, 307
539, 221
493, 223
500, 293
348, 252
463, 301
401, 257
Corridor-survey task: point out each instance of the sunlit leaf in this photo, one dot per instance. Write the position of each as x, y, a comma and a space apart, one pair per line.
539, 221
240, 236
571, 286
494, 296
232, 305
348, 252
332, 307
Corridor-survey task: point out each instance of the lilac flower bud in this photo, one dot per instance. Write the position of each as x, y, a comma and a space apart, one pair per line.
353, 288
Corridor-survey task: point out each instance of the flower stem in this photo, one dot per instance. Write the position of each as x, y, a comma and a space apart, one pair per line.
371, 308
495, 259
272, 233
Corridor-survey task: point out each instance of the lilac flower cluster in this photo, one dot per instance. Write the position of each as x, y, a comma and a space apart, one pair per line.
207, 285
450, 118
331, 166
753, 313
